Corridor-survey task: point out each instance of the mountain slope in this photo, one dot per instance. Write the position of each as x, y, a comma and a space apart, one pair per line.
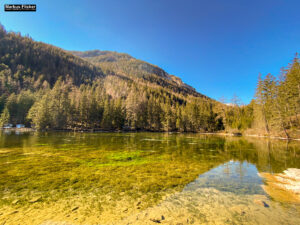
125, 65
25, 58
49, 88
25, 61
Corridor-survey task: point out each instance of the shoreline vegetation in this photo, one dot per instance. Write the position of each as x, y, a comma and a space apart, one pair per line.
48, 88
238, 134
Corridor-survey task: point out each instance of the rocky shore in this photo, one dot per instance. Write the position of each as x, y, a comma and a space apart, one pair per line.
284, 187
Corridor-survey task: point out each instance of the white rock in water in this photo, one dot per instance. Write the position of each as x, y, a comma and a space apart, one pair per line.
293, 173
290, 180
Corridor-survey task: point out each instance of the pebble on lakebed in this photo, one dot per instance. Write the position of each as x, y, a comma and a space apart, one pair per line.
284, 187
34, 200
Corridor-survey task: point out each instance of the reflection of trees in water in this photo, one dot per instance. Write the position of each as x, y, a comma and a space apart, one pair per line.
268, 155
226, 169
183, 150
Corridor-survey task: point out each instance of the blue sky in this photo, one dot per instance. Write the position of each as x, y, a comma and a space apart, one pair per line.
217, 46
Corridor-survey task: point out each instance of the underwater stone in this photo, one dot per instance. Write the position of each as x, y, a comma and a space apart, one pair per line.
137, 204
14, 212
261, 203
35, 200
75, 208
155, 220
15, 201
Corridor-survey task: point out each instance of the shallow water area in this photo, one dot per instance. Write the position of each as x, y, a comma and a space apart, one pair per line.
144, 178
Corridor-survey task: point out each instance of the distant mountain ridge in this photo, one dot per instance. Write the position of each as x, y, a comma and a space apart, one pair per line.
122, 63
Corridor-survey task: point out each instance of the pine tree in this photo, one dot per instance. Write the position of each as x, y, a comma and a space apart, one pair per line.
4, 118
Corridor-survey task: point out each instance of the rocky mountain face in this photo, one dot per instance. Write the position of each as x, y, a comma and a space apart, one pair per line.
126, 65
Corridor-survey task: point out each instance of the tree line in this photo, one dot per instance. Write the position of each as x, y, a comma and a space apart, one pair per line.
275, 109
101, 105
277, 101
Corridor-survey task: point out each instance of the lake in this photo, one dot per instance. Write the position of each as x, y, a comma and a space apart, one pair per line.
145, 178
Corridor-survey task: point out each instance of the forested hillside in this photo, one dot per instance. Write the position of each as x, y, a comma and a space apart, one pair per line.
49, 88
46, 87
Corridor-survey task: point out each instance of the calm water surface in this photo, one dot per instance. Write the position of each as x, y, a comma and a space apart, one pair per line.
144, 178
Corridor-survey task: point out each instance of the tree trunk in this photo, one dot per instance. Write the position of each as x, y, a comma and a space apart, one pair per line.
265, 120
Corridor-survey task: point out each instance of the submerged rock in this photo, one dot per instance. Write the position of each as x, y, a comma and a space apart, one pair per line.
261, 203
137, 204
33, 200
13, 212
15, 201
75, 208
155, 220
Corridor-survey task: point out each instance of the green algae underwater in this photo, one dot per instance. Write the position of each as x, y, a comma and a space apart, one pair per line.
142, 178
